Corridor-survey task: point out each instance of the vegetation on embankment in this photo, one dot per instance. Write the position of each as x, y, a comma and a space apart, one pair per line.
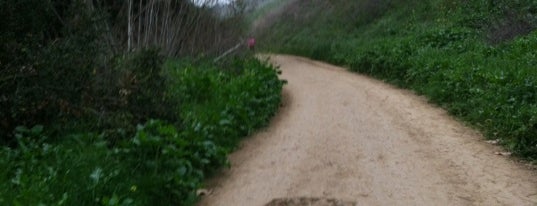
159, 162
475, 58
102, 105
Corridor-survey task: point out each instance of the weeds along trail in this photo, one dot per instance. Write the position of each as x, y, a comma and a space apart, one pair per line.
347, 137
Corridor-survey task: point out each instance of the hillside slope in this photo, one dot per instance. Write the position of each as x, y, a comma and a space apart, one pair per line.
474, 58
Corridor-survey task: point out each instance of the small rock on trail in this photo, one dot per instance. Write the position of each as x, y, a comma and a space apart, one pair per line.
305, 201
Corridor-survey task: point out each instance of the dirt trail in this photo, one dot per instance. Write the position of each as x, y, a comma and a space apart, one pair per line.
348, 137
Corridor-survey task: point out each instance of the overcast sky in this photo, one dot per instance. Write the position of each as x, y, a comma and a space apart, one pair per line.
211, 2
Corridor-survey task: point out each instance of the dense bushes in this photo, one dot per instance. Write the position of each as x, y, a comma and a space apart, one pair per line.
226, 113
93, 112
65, 62
45, 63
57, 71
475, 58
162, 162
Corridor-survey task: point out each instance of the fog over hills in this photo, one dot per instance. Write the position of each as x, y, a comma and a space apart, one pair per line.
226, 7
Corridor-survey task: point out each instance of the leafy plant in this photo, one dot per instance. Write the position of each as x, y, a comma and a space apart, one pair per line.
160, 162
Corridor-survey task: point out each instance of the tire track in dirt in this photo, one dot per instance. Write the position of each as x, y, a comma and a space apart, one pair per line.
345, 136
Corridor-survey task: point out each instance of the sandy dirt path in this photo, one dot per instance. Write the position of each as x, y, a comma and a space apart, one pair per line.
345, 136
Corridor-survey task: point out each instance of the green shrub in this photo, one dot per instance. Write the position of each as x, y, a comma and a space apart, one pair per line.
225, 105
81, 170
161, 162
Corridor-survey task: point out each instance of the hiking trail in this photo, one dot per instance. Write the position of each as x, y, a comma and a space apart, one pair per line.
344, 136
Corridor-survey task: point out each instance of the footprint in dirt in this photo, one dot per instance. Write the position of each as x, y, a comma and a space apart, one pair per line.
309, 201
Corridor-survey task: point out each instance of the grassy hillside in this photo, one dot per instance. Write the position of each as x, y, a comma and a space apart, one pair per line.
477, 58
